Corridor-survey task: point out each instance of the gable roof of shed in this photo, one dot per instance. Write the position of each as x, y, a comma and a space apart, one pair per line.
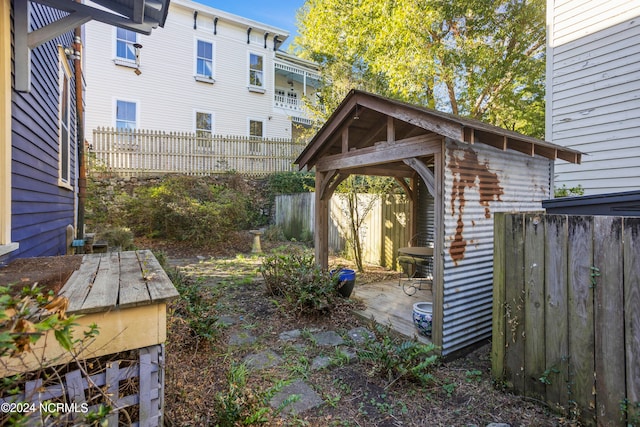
365, 116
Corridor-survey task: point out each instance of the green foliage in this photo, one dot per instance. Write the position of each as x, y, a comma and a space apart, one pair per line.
188, 209
117, 237
195, 306
306, 288
631, 412
290, 182
238, 405
564, 191
545, 377
481, 59
411, 360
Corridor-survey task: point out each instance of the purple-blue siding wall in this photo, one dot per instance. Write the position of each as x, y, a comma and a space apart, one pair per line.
41, 210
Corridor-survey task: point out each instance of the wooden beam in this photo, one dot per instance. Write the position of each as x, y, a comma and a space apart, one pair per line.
22, 52
324, 183
321, 229
345, 139
407, 189
396, 170
391, 130
57, 28
410, 114
382, 153
425, 173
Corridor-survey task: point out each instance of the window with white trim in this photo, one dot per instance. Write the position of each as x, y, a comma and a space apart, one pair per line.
256, 132
204, 59
125, 40
204, 124
126, 115
64, 122
256, 70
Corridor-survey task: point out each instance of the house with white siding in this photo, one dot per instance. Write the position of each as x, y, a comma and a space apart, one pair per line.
593, 92
207, 71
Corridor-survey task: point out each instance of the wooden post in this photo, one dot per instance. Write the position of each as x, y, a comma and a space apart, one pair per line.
498, 328
321, 233
632, 314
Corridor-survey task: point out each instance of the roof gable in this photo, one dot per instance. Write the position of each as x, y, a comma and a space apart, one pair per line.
364, 120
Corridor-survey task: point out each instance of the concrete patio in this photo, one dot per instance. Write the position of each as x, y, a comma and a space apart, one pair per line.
389, 305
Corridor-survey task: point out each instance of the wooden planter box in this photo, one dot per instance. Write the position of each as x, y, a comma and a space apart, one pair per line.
125, 294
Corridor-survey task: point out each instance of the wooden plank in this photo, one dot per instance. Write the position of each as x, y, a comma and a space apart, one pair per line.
160, 287
78, 286
581, 322
112, 384
145, 388
133, 289
499, 286
609, 320
514, 300
103, 295
631, 262
534, 306
555, 374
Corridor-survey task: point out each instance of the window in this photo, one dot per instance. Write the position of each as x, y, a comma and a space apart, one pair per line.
125, 39
64, 123
125, 115
256, 129
204, 125
204, 59
256, 70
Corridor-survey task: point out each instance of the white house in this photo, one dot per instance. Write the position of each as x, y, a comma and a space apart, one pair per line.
206, 71
593, 91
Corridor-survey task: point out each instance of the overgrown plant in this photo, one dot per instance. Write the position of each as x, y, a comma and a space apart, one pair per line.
296, 277
26, 315
396, 359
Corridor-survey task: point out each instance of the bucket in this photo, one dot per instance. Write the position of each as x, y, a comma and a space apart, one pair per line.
423, 318
346, 281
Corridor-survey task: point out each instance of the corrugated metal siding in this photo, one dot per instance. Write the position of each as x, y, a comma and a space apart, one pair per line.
593, 81
40, 209
480, 180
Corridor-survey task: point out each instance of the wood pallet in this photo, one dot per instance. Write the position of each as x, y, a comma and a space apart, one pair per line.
144, 400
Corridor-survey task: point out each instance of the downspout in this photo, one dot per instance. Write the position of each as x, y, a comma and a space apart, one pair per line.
82, 170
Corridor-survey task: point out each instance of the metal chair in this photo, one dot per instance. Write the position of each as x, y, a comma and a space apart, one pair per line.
417, 271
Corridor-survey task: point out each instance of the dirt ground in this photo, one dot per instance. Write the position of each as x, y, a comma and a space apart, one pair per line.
462, 393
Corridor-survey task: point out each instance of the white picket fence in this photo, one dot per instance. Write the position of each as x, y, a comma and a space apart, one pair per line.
144, 152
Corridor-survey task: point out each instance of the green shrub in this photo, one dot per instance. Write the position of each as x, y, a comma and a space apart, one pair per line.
189, 209
306, 288
395, 359
290, 182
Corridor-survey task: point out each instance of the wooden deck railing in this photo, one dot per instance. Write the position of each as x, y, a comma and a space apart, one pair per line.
144, 152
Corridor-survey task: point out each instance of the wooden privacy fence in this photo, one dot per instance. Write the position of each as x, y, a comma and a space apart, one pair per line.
138, 152
566, 312
383, 230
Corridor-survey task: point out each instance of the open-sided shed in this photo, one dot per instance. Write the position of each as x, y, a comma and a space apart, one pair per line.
457, 172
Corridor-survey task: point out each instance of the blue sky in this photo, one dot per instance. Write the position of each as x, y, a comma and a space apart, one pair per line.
280, 13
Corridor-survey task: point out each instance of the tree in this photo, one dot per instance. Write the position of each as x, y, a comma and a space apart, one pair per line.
483, 59
360, 195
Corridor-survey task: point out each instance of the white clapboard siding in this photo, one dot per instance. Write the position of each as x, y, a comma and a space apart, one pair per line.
593, 92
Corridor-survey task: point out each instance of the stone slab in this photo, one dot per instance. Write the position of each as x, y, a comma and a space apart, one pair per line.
307, 398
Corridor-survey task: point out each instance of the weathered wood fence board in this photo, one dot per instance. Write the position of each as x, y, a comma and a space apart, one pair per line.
137, 152
566, 323
383, 230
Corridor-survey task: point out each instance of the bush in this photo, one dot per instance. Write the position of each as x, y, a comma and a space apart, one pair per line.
306, 288
189, 209
410, 360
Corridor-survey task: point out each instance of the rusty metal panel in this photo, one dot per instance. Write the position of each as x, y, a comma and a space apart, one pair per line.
480, 180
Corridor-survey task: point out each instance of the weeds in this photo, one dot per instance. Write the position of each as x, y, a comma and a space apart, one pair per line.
396, 359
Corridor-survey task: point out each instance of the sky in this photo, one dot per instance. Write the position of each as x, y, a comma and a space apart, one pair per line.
279, 13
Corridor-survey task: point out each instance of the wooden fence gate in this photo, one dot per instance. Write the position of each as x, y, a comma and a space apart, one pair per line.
566, 313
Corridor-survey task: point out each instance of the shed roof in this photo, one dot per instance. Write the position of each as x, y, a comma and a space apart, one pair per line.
365, 120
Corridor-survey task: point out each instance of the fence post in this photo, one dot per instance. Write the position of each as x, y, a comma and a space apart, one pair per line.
498, 338
632, 313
